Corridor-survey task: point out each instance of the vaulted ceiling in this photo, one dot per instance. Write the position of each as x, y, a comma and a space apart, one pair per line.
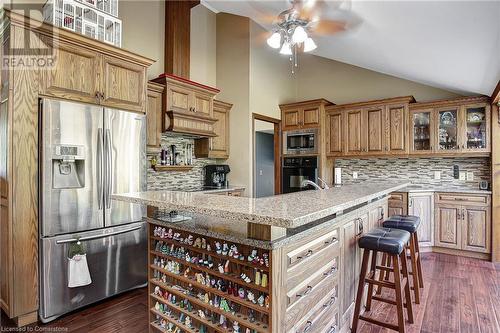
453, 45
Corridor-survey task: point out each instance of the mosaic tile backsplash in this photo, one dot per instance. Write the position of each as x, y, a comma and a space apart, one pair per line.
178, 180
420, 171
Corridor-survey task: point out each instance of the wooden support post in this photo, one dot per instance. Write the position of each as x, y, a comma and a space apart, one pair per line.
264, 232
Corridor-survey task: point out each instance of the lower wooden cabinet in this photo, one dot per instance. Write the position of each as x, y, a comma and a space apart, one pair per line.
422, 205
398, 203
349, 236
465, 226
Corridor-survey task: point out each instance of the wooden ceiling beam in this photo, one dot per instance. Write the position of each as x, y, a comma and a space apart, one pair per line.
177, 37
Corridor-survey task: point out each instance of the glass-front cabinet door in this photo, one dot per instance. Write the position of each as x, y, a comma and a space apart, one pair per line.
476, 128
421, 135
448, 130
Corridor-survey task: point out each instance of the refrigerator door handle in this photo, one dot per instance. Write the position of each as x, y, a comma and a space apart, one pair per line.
74, 240
109, 168
100, 188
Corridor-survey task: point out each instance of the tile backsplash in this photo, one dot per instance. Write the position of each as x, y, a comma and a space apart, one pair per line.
178, 180
420, 171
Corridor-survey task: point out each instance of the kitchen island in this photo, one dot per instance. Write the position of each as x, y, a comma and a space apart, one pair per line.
287, 263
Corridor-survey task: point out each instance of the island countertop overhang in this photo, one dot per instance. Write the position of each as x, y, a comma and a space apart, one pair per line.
285, 211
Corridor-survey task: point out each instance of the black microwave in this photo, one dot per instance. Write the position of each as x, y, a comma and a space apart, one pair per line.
300, 142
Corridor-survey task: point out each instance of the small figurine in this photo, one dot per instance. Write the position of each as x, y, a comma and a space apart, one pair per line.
221, 268
157, 291
257, 277
157, 306
223, 322
218, 248
201, 314
182, 317
206, 298
266, 302
263, 281
251, 316
241, 293
188, 257
197, 242
236, 327
224, 305
209, 248
266, 259
230, 288
252, 255
225, 249
170, 233
245, 278
203, 329
251, 297
261, 300
204, 243
226, 267
189, 240
187, 322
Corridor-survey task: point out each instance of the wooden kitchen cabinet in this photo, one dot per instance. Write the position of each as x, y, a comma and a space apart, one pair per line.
350, 249
463, 222
354, 136
178, 98
89, 76
203, 103
396, 122
422, 205
217, 146
422, 133
373, 128
123, 84
300, 115
334, 133
75, 74
398, 203
154, 116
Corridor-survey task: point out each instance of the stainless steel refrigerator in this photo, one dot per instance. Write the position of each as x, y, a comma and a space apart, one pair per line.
87, 153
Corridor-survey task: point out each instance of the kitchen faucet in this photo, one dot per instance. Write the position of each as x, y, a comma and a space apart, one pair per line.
313, 184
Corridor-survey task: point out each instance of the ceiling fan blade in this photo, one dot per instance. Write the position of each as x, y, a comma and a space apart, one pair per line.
328, 27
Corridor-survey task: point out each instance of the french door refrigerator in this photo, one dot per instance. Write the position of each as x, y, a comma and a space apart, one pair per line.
86, 154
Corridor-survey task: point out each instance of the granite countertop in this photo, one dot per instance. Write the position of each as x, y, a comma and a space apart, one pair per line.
449, 189
223, 189
288, 210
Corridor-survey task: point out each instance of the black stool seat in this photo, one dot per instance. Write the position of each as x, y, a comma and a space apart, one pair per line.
409, 223
387, 240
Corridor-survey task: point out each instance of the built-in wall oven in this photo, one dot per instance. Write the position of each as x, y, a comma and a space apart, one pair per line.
296, 170
300, 142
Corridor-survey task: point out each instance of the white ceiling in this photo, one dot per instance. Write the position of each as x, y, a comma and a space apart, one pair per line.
453, 45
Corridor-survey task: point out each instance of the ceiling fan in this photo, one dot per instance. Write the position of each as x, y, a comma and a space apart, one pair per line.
293, 27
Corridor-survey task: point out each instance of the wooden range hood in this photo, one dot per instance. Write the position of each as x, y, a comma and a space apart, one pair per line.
187, 105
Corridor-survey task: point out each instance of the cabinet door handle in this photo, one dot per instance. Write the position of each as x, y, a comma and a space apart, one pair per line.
332, 329
333, 240
411, 202
330, 302
307, 291
308, 326
331, 271
97, 97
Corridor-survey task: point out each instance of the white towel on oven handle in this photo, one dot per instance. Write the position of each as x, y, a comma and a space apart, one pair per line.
78, 271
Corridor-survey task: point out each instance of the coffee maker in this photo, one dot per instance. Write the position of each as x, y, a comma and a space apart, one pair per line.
216, 175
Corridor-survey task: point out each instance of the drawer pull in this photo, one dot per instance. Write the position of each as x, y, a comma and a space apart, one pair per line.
308, 254
461, 199
330, 302
308, 290
331, 271
332, 329
332, 241
308, 326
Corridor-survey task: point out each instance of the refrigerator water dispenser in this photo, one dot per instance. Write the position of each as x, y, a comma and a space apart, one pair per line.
68, 167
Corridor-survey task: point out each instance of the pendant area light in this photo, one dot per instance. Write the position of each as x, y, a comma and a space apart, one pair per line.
309, 45
286, 49
274, 40
299, 35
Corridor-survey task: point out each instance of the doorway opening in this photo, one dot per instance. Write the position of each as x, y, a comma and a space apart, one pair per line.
266, 156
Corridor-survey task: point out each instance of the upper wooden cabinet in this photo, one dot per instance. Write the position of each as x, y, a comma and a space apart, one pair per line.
90, 76
154, 116
451, 127
305, 114
370, 128
188, 106
334, 131
217, 146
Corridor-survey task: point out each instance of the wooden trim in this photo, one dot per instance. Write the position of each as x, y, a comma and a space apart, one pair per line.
164, 76
74, 38
277, 149
394, 100
451, 102
495, 96
159, 168
306, 103
455, 252
495, 183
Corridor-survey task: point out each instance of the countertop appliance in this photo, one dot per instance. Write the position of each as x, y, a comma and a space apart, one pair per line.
215, 175
87, 153
296, 170
300, 142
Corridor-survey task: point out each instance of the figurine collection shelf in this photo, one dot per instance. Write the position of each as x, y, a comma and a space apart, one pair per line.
226, 286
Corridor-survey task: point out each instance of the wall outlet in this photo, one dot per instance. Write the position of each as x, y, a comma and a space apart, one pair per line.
355, 175
437, 174
463, 175
470, 176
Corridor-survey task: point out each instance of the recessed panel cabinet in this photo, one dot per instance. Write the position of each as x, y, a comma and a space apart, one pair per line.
217, 146
422, 205
334, 132
300, 115
154, 116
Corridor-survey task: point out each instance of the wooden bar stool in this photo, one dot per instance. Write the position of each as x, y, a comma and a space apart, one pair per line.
390, 242
409, 223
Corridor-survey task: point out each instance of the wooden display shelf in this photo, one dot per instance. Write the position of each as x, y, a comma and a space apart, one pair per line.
174, 321
212, 290
258, 326
214, 254
230, 277
159, 168
192, 314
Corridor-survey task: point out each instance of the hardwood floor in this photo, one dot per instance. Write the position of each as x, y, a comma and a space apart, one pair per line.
460, 295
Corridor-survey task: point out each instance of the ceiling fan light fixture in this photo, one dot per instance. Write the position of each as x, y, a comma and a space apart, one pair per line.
286, 49
299, 35
309, 45
274, 40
